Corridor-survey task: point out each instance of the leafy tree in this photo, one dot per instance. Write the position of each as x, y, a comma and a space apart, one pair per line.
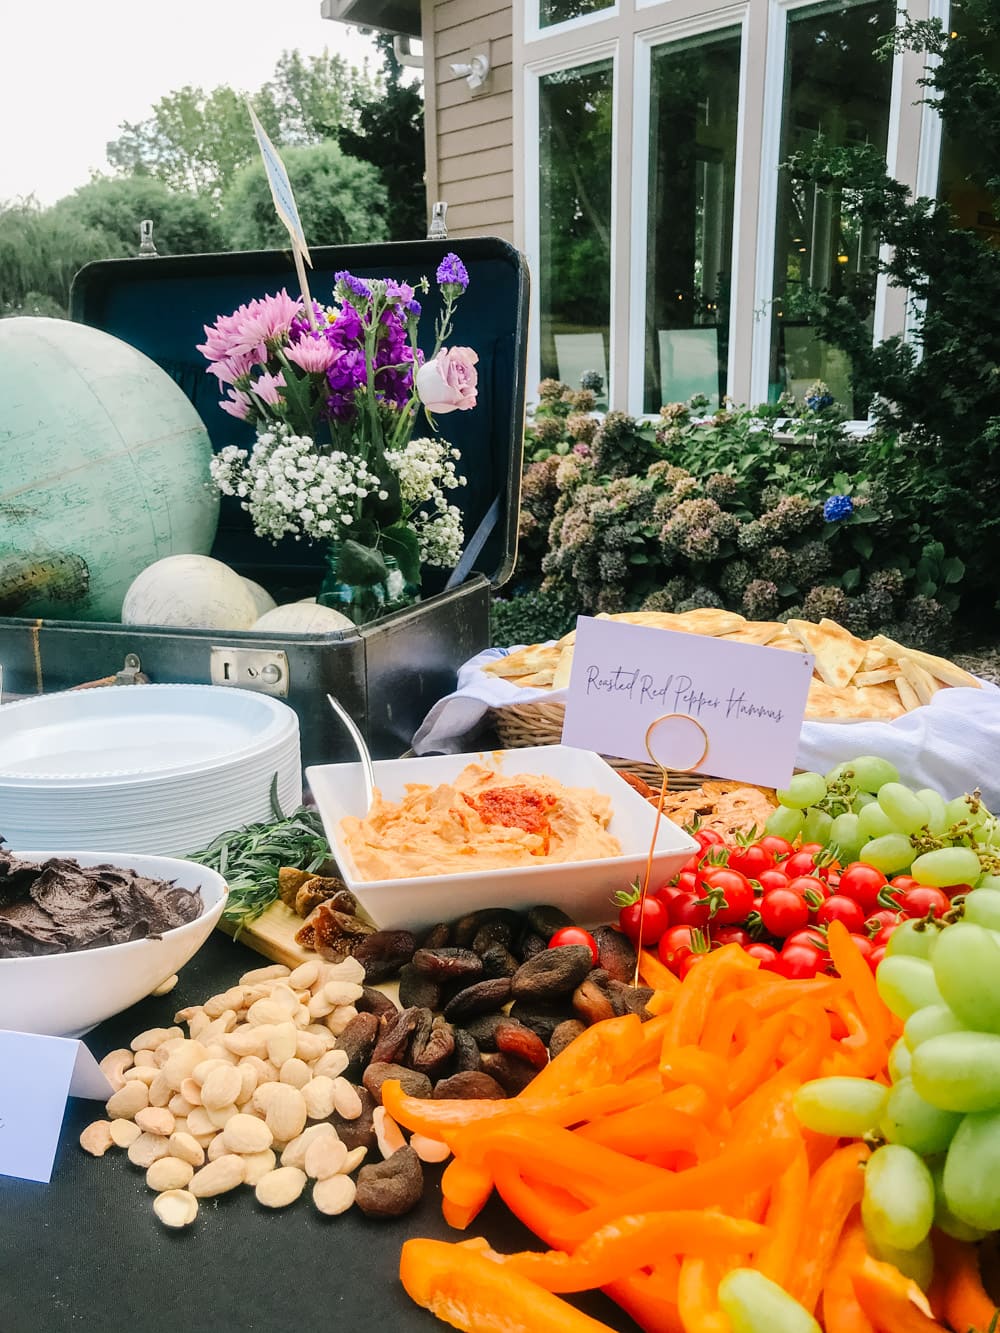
936, 399
197, 140
182, 223
40, 251
339, 200
387, 129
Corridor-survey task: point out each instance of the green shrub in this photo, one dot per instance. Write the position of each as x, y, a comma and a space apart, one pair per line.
532, 617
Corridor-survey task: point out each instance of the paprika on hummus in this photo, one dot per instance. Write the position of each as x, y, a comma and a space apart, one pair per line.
481, 821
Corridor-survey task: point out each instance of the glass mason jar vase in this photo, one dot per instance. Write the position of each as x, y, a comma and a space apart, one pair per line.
364, 602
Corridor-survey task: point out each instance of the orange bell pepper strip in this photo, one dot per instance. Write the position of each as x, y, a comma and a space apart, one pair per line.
718, 1183
685, 1065
544, 1209
593, 1105
893, 1303
655, 974
472, 1293
756, 1061
834, 1192
645, 1297
465, 1190
648, 1130
786, 1220
592, 1060
841, 1311
966, 1306
633, 1242
440, 1119
696, 1299
860, 981
699, 990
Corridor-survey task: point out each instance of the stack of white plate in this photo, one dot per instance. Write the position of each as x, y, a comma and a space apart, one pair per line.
159, 769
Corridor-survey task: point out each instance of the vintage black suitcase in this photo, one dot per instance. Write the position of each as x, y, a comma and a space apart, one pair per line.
387, 673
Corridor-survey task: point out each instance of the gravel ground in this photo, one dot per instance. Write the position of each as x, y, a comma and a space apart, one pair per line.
983, 662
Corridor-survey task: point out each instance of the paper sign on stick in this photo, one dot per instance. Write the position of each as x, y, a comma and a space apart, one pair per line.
281, 187
37, 1074
750, 700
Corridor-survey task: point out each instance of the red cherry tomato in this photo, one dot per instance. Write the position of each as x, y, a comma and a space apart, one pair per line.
884, 934
811, 936
772, 879
752, 861
903, 882
692, 864
799, 863
838, 907
799, 962
863, 883
767, 954
690, 882
920, 900
863, 944
675, 945
646, 921
575, 935
783, 912
707, 837
810, 888
731, 935
689, 911
777, 847
886, 917
737, 901
668, 893
689, 961
875, 957
832, 877
814, 848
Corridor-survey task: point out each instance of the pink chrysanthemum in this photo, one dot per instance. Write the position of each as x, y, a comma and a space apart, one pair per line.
237, 404
314, 354
266, 388
231, 368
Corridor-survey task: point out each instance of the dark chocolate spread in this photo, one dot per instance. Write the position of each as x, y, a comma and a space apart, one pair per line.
58, 906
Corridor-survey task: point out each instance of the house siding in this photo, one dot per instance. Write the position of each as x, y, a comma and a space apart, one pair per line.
470, 135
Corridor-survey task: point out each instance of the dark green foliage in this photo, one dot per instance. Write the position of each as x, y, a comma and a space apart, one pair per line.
39, 254
533, 617
183, 223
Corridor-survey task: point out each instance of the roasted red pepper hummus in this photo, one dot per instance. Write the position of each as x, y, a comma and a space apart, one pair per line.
483, 820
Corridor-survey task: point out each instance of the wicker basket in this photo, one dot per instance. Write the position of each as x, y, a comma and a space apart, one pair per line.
521, 725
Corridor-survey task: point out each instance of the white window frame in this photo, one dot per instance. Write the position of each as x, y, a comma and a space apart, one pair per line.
535, 32
730, 18
767, 217
534, 72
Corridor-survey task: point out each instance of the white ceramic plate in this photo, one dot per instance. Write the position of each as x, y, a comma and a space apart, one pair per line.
114, 735
65, 995
584, 889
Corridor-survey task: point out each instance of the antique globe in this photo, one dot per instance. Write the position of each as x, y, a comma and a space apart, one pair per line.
104, 468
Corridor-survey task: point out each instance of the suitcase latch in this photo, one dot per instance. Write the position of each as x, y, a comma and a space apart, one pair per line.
261, 669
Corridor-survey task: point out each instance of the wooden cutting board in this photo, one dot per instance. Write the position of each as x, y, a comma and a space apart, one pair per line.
273, 935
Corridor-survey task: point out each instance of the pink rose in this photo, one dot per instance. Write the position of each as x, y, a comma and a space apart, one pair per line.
448, 382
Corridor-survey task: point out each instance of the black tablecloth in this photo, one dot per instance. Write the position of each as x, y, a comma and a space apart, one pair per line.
86, 1254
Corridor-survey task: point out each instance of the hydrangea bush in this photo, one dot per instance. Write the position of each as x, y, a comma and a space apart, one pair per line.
750, 510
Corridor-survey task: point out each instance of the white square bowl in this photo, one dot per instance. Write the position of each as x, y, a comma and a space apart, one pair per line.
583, 889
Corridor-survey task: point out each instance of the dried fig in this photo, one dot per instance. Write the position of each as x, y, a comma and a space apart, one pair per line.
482, 997
384, 953
564, 1034
417, 990
513, 1038
447, 964
391, 1188
431, 1051
413, 1083
360, 1132
358, 1040
554, 972
469, 1083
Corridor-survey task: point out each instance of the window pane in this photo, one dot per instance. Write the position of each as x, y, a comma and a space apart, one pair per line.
560, 11
837, 89
960, 181
694, 91
574, 198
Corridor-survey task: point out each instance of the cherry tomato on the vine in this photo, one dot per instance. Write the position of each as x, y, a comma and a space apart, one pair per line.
863, 883
838, 907
920, 900
903, 882
863, 944
884, 934
883, 919
799, 863
690, 910
689, 881
689, 961
810, 888
811, 936
646, 920
676, 943
737, 897
575, 935
752, 861
777, 847
772, 879
708, 837
731, 935
783, 911
767, 954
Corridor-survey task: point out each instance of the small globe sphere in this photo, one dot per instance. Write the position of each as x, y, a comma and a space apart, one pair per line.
104, 468
262, 599
190, 592
302, 618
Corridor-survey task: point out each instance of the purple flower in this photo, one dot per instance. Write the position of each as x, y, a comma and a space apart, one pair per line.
349, 285
398, 293
452, 273
412, 309
838, 507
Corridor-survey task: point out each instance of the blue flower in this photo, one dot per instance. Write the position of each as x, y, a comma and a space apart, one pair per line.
452, 273
818, 396
838, 507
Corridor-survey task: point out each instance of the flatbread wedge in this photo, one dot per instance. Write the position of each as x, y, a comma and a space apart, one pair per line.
922, 681
560, 677
759, 632
910, 698
524, 662
838, 653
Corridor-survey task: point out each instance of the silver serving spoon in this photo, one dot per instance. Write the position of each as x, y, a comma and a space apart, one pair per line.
360, 745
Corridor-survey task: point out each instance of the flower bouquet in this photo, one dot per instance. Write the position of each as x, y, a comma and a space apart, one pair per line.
334, 392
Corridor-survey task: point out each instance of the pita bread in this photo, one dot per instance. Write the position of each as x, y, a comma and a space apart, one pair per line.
560, 677
875, 677
710, 621
874, 660
922, 681
759, 632
787, 641
879, 702
908, 695
524, 662
838, 653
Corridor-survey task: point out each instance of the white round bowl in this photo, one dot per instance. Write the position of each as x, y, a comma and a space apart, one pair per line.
67, 994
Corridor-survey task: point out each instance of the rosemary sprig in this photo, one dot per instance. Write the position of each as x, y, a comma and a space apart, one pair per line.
249, 858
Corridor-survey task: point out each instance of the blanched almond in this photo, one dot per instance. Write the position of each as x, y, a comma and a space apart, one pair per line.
183, 1059
342, 992
266, 1011
147, 1149
247, 1134
325, 1157
169, 1173
160, 1091
178, 1105
96, 1138
229, 999
249, 1079
277, 1189
281, 1043
199, 1123
309, 1046
258, 1164
114, 1064
185, 1147
166, 985
428, 1149
130, 1098
221, 1087
348, 969
191, 1091
304, 976
225, 1173
141, 1074
346, 1099
334, 1195
124, 1132
286, 1113
145, 1060
220, 1115
296, 1072
294, 1153
320, 1097
258, 974
354, 1159
340, 1018
387, 1132
332, 1064
153, 1037
176, 1208
155, 1120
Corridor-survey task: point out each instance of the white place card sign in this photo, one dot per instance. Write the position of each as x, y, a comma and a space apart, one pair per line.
37, 1075
281, 187
750, 701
